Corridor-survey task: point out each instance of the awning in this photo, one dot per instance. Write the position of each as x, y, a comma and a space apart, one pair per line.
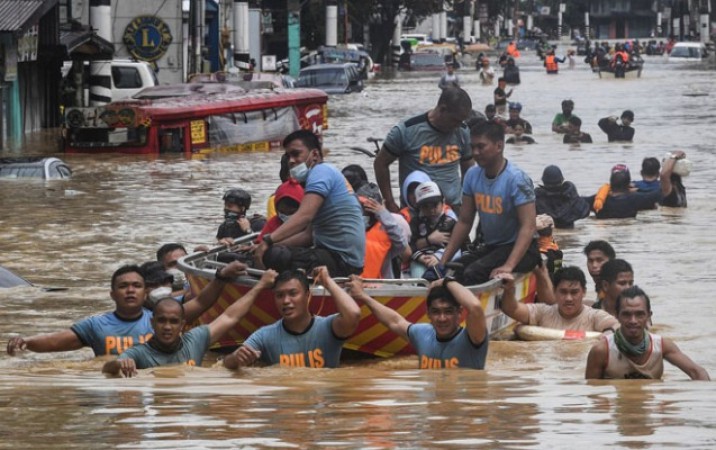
16, 16
83, 43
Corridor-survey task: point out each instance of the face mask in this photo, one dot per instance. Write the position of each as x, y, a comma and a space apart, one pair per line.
231, 217
284, 217
159, 293
179, 279
367, 221
300, 172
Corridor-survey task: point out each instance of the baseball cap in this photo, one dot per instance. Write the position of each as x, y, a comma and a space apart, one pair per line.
426, 191
516, 105
620, 168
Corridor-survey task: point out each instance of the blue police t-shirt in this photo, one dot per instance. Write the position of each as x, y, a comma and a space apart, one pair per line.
108, 334
317, 347
195, 343
458, 352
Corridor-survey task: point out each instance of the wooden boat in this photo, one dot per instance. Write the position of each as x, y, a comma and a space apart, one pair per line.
629, 72
536, 333
407, 296
195, 118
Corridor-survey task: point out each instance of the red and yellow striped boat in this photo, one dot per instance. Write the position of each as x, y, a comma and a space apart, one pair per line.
407, 296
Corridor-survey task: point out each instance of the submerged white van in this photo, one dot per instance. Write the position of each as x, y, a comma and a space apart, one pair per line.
688, 52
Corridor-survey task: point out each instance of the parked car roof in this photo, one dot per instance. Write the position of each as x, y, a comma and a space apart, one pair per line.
46, 168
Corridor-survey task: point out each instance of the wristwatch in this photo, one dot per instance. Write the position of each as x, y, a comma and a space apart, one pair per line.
268, 240
448, 279
218, 276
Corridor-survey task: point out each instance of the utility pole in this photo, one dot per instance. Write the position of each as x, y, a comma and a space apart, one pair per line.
294, 37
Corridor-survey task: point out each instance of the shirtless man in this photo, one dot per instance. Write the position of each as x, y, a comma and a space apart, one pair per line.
633, 352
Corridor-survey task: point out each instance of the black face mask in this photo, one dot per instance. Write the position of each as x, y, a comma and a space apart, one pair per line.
231, 217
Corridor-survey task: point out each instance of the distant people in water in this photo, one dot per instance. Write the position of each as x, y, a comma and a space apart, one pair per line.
675, 166
515, 119
511, 72
519, 137
551, 62
616, 200
616, 131
449, 78
486, 72
501, 96
559, 199
574, 134
560, 123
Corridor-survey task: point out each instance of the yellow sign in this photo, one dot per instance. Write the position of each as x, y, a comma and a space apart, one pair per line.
198, 132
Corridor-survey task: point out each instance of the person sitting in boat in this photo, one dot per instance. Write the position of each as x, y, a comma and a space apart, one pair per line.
548, 247
618, 132
449, 78
519, 137
328, 229
515, 119
620, 57
598, 252
407, 191
574, 134
559, 199
355, 175
300, 339
159, 284
503, 197
283, 176
287, 198
385, 239
169, 345
560, 123
675, 167
442, 343
236, 224
615, 275
616, 200
632, 352
486, 72
113, 332
568, 313
430, 231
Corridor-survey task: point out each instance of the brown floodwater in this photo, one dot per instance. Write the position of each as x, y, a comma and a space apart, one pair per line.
120, 209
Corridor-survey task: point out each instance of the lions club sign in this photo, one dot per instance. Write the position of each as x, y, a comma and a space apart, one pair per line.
147, 38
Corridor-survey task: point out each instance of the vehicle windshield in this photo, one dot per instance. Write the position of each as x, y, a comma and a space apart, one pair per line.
427, 59
327, 77
685, 52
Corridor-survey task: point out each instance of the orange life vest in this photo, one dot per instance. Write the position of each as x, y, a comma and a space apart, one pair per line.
546, 243
377, 246
405, 212
551, 64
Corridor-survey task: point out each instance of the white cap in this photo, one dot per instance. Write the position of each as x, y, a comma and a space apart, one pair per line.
427, 191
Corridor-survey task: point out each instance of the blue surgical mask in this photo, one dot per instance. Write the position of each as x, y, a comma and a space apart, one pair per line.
300, 172
284, 217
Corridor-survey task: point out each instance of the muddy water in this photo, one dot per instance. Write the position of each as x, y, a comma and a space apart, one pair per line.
119, 209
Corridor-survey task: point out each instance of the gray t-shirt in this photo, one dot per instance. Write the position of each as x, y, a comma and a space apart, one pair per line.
316, 347
194, 345
419, 146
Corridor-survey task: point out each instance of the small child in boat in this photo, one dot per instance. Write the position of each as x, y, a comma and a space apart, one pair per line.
430, 231
236, 221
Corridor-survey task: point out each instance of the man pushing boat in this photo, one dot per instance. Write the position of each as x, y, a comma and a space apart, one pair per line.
443, 343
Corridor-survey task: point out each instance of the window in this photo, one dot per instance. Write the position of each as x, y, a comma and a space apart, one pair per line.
126, 78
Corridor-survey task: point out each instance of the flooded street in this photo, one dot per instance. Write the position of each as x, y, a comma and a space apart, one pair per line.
120, 209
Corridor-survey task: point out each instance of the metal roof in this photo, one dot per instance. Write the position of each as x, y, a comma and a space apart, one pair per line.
17, 15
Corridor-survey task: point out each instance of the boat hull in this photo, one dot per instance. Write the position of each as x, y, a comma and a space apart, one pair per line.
629, 74
371, 337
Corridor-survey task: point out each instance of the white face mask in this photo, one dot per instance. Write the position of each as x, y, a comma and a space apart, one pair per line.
300, 172
284, 217
179, 279
159, 293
